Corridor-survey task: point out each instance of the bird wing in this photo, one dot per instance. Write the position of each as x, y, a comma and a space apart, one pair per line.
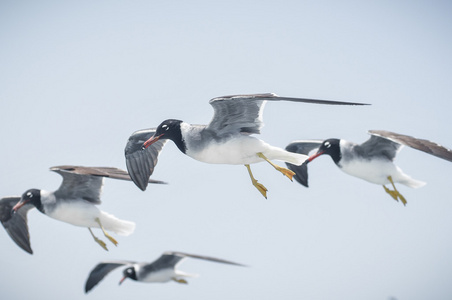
176, 257
377, 146
243, 113
86, 182
419, 144
16, 224
101, 270
302, 147
79, 183
141, 163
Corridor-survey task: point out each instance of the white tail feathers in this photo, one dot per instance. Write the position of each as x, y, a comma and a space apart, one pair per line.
183, 274
111, 223
413, 183
408, 181
296, 158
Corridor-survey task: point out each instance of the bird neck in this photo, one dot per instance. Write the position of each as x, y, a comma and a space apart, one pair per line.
46, 198
180, 143
178, 138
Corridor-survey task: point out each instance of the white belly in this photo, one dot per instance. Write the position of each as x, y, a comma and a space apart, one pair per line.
243, 150
78, 213
164, 275
373, 171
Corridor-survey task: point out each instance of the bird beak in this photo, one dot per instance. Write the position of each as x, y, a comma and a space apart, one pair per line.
151, 141
312, 157
122, 279
19, 205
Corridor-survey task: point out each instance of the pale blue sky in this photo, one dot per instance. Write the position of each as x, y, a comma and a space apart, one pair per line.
78, 77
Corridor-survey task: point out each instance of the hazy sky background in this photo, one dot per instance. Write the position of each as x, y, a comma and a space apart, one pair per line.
78, 77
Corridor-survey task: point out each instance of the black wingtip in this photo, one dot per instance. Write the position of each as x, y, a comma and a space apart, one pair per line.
301, 173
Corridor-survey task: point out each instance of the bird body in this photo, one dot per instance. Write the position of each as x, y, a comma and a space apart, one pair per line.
237, 149
375, 169
163, 269
82, 213
74, 202
163, 275
372, 160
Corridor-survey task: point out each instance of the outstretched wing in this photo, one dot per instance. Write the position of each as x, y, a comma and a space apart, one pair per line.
15, 224
86, 182
141, 163
101, 270
302, 147
243, 113
175, 257
419, 144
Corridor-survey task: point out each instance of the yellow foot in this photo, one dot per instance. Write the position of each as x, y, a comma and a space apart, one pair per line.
106, 233
261, 188
391, 193
115, 242
180, 280
101, 243
97, 240
286, 172
401, 198
396, 195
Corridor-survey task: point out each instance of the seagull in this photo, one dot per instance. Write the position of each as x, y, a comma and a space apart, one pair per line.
161, 270
225, 140
372, 160
74, 203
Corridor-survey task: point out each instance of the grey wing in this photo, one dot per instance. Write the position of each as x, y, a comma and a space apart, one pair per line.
419, 144
79, 183
141, 163
243, 113
108, 172
101, 270
181, 255
16, 224
167, 260
302, 147
377, 146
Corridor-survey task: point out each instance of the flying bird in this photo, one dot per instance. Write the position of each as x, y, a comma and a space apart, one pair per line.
372, 160
74, 202
225, 140
161, 270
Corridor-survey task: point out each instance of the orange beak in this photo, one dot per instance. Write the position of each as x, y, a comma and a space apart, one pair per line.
151, 141
122, 279
312, 157
19, 205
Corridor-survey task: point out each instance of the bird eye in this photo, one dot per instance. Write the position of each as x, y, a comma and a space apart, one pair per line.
29, 195
327, 144
165, 127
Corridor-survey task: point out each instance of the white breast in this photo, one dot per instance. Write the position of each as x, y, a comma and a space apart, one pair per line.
163, 275
76, 212
374, 171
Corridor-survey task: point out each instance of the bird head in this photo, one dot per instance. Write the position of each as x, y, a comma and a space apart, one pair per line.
128, 273
32, 196
330, 147
169, 129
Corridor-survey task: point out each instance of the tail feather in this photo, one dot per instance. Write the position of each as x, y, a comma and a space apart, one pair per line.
296, 158
183, 274
413, 183
121, 227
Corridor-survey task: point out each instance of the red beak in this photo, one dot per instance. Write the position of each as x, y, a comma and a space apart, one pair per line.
19, 205
312, 157
151, 141
122, 279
